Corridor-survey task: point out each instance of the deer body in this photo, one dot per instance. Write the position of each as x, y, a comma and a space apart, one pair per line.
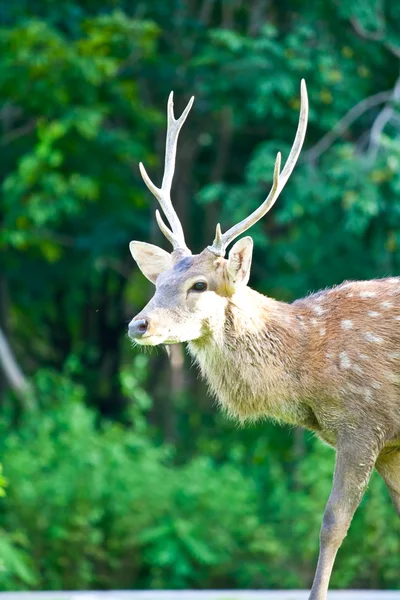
329, 362
326, 362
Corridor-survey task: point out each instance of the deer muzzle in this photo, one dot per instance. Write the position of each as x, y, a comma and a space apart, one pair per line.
137, 328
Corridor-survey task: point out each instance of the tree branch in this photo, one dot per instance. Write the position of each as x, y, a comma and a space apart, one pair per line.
14, 375
375, 36
257, 17
18, 132
206, 12
381, 121
354, 113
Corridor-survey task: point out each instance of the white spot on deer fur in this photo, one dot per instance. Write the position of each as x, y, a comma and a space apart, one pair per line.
357, 369
350, 295
322, 331
387, 304
354, 389
373, 313
367, 294
329, 355
301, 319
344, 360
376, 385
394, 355
371, 337
363, 356
368, 395
396, 318
318, 310
347, 324
314, 322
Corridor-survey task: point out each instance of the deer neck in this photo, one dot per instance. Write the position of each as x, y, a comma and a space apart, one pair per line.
251, 356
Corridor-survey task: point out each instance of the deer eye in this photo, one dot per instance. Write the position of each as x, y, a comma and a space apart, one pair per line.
199, 286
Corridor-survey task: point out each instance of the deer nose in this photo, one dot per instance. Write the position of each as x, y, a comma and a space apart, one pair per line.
138, 327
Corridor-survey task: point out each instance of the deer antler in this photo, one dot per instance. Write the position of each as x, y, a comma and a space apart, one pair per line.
222, 240
163, 194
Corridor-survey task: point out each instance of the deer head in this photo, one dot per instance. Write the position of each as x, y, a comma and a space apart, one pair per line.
192, 290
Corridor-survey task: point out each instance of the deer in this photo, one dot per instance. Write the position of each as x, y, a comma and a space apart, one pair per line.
329, 362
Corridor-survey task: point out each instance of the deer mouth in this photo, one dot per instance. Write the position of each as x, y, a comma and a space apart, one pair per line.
155, 340
149, 340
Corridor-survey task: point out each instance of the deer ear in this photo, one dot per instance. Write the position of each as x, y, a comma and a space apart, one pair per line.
151, 260
239, 261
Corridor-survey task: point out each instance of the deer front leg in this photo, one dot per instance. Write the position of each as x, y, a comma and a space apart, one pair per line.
355, 459
388, 467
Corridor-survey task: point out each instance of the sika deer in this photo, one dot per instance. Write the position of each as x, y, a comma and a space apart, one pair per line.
329, 362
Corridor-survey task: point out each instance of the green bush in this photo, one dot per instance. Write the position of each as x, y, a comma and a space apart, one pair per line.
91, 506
103, 507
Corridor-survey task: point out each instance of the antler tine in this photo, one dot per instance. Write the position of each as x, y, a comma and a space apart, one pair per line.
279, 181
164, 229
175, 235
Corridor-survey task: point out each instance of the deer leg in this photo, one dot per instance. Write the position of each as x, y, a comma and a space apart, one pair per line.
355, 459
388, 467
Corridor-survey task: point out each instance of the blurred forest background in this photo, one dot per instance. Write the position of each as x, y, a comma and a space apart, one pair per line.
118, 471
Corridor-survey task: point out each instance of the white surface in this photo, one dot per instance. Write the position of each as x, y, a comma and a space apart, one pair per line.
199, 595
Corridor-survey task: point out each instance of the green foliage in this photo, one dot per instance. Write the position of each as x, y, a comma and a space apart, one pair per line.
3, 482
105, 508
15, 564
73, 85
